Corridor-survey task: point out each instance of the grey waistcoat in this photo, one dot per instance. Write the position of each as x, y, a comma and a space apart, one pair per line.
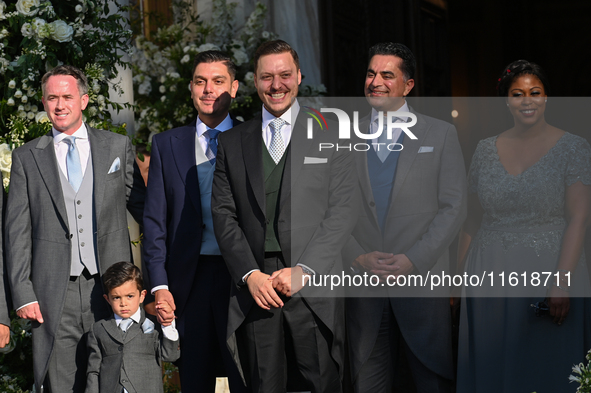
80, 210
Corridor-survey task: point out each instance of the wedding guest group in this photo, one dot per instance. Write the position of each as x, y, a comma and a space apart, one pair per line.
238, 218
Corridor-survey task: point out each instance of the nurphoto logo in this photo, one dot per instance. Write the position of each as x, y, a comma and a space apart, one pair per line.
345, 124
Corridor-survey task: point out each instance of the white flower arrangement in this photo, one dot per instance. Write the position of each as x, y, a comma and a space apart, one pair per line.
164, 64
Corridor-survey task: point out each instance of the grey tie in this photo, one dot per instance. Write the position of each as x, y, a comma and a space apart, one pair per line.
383, 138
276, 147
73, 163
212, 144
125, 324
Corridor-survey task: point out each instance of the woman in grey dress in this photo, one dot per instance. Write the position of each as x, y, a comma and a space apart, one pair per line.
529, 206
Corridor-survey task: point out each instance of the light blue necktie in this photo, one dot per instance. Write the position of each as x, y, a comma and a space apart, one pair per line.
73, 163
125, 324
276, 147
212, 144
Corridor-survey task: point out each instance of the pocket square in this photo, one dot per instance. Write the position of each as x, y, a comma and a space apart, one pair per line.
115, 166
426, 149
315, 160
147, 326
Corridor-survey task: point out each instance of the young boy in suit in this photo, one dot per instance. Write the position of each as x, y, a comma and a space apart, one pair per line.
125, 351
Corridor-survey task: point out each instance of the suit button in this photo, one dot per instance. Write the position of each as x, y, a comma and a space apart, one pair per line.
372, 204
78, 202
120, 348
82, 244
124, 380
79, 216
81, 230
267, 221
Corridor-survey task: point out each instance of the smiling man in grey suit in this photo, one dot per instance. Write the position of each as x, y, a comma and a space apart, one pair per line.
414, 202
276, 218
65, 225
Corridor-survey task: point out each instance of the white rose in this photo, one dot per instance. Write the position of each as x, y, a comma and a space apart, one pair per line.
249, 77
10, 102
27, 107
185, 59
100, 99
2, 8
21, 108
163, 79
62, 32
27, 30
145, 88
162, 89
30, 115
175, 75
30, 92
22, 114
12, 84
241, 57
92, 111
172, 88
41, 117
205, 47
78, 8
266, 34
163, 98
18, 94
34, 108
24, 7
6, 183
5, 158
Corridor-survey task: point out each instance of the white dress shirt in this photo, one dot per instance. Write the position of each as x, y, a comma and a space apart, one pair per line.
61, 148
169, 332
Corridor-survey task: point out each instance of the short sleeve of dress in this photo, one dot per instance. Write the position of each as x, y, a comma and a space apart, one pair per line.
579, 162
475, 167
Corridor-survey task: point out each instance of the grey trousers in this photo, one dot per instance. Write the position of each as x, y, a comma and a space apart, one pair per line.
84, 305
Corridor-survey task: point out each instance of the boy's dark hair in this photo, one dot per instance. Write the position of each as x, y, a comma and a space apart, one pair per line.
120, 273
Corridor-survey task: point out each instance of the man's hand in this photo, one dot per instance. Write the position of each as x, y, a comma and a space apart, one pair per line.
4, 335
31, 312
165, 314
398, 265
373, 261
289, 280
262, 291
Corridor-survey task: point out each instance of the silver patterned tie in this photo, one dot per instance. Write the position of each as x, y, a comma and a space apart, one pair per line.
276, 147
73, 163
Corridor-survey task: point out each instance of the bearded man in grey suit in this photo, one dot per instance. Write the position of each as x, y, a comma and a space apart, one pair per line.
65, 225
414, 202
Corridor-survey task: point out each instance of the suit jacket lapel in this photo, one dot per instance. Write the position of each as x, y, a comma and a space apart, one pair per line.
252, 152
408, 154
100, 154
183, 149
298, 147
112, 329
44, 155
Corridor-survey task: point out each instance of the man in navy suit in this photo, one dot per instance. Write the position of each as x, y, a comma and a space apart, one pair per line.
182, 256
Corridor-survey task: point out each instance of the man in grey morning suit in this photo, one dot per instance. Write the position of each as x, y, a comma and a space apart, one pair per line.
276, 218
4, 286
414, 202
65, 225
